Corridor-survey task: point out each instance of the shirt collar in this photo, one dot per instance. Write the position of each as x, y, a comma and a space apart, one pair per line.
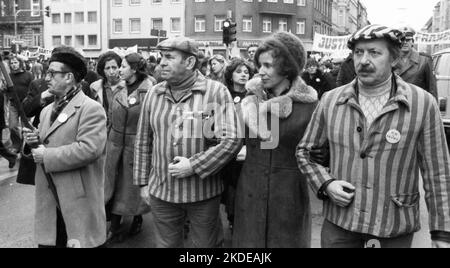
400, 96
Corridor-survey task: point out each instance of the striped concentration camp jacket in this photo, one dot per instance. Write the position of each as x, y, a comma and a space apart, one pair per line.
382, 161
169, 129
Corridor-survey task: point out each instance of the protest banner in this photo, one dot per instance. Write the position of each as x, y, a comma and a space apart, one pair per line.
433, 38
334, 45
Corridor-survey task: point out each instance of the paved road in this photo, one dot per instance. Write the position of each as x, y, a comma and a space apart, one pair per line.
17, 208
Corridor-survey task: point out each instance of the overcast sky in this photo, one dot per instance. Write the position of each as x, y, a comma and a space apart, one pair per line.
396, 13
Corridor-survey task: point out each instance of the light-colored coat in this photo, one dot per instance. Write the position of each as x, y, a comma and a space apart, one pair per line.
74, 159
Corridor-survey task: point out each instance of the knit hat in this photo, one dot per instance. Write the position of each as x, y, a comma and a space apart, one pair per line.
72, 58
290, 46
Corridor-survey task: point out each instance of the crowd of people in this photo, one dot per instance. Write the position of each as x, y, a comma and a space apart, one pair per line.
183, 134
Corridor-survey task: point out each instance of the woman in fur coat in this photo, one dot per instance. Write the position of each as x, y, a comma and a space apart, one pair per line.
272, 202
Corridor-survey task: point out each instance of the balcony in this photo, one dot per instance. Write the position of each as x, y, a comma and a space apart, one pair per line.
277, 8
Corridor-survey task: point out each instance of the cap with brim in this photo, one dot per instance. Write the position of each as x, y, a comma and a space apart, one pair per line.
182, 44
408, 31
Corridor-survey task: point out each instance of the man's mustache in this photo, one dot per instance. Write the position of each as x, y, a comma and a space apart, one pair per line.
366, 70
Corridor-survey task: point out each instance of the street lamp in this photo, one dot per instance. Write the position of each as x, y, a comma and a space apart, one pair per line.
15, 6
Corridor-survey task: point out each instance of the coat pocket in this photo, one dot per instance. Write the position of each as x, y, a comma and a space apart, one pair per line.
78, 186
406, 200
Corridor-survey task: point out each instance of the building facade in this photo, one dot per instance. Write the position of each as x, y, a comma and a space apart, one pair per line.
131, 21
349, 16
256, 20
439, 22
78, 23
26, 28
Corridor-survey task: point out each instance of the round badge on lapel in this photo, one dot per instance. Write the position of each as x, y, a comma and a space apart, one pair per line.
393, 136
132, 101
62, 118
237, 100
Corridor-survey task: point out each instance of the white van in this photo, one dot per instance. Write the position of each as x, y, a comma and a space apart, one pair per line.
441, 62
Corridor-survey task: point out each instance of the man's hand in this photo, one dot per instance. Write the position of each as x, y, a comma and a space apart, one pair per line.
38, 154
320, 155
145, 195
181, 168
242, 154
440, 244
337, 194
45, 96
31, 137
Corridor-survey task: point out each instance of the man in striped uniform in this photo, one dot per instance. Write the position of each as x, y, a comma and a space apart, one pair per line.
177, 160
382, 132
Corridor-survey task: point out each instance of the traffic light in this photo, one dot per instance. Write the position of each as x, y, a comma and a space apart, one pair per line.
229, 31
47, 11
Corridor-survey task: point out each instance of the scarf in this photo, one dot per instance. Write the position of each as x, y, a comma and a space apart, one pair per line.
183, 86
59, 106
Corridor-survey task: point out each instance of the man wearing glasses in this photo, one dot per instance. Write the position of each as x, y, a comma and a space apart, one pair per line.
414, 67
68, 151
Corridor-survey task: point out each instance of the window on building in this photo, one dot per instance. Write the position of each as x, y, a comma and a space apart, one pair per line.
247, 24
92, 17
267, 25
135, 25
35, 8
117, 26
200, 24
175, 25
157, 24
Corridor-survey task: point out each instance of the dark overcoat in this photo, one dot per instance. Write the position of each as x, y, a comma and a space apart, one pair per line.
272, 202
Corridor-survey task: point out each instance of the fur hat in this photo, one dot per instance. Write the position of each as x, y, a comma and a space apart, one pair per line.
72, 58
290, 47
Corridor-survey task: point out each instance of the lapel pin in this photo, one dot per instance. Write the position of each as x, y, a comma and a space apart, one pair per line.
132, 101
393, 136
62, 118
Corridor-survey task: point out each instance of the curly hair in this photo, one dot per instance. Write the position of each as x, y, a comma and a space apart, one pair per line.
104, 58
232, 67
139, 64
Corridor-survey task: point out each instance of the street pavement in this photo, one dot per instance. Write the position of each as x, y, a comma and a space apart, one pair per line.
17, 209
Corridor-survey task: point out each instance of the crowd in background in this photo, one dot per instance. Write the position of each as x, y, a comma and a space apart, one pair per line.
262, 209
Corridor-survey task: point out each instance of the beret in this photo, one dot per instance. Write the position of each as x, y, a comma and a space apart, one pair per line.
373, 32
183, 44
71, 58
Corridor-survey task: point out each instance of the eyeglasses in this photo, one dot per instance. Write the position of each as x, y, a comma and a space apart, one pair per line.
51, 73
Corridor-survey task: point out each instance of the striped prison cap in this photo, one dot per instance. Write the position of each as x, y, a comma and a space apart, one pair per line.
372, 32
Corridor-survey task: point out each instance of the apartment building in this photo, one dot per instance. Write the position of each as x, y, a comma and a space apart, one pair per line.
25, 28
78, 23
131, 21
256, 20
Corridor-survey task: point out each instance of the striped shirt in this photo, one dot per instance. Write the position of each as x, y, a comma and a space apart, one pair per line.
169, 129
382, 161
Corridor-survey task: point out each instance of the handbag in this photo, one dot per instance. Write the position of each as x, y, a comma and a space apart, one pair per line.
27, 168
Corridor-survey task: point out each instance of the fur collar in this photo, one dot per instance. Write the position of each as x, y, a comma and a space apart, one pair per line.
299, 93
257, 105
